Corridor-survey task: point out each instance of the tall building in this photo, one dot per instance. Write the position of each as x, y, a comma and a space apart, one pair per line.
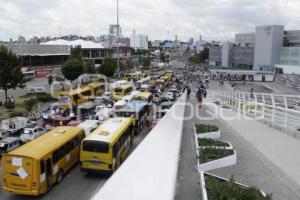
245, 39
113, 34
268, 43
139, 41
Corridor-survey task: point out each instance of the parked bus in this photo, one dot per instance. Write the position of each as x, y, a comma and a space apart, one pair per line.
120, 89
138, 110
35, 167
107, 147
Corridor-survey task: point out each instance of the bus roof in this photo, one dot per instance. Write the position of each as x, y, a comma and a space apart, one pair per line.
96, 84
110, 129
134, 106
79, 90
44, 144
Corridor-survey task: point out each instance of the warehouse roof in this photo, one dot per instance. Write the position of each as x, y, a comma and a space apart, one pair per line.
84, 44
38, 50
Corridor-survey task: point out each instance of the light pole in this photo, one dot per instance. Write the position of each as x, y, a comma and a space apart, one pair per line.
118, 39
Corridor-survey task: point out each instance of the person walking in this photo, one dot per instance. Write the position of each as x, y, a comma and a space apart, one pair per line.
199, 94
188, 92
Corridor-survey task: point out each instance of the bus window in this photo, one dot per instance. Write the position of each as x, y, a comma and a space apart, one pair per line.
95, 146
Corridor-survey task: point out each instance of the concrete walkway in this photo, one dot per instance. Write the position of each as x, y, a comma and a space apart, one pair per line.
278, 170
188, 179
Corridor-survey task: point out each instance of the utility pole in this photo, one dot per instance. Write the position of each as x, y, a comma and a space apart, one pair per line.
118, 39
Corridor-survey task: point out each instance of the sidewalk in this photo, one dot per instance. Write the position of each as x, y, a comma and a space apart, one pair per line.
267, 158
188, 179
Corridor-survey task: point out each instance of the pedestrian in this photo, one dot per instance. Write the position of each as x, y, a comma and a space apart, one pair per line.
188, 92
199, 94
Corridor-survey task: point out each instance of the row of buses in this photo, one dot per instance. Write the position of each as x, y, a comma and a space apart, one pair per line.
35, 167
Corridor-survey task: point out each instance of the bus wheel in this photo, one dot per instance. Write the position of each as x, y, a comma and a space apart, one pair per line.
59, 176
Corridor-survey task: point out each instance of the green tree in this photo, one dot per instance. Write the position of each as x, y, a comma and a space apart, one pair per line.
50, 79
11, 75
146, 61
108, 67
72, 69
89, 67
76, 52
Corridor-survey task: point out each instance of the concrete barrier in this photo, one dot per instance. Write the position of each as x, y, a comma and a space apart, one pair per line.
150, 172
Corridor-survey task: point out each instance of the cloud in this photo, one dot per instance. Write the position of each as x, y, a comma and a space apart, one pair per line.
214, 20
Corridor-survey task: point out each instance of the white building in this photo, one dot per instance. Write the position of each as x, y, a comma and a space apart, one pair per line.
139, 41
245, 39
268, 43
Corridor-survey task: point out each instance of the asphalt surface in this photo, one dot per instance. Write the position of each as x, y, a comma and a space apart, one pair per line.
74, 185
40, 82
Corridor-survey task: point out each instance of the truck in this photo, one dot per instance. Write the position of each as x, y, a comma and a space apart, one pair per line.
14, 126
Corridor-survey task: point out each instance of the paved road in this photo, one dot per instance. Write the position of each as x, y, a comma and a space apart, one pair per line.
23, 91
74, 186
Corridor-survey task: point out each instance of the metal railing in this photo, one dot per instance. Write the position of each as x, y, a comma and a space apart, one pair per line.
277, 109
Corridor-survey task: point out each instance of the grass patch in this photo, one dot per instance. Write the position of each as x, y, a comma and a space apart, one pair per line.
211, 143
40, 97
205, 128
210, 154
219, 189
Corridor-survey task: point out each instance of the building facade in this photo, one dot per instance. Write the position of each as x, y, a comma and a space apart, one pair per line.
268, 43
139, 41
245, 39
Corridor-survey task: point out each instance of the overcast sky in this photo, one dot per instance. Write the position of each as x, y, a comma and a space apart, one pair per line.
213, 19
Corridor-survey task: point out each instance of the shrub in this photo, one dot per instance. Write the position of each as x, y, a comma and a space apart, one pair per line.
44, 97
16, 114
210, 142
205, 128
30, 104
210, 154
59, 79
9, 105
220, 189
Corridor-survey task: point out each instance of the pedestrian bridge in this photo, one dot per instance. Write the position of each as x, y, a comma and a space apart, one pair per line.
150, 172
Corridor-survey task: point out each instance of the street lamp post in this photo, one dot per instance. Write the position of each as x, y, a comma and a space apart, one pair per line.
118, 36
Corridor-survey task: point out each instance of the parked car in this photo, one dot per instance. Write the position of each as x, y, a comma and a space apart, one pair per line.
9, 144
30, 134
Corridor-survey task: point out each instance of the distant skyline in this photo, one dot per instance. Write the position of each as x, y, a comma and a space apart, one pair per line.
214, 20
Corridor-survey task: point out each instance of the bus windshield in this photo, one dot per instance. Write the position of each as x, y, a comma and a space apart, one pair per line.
95, 146
119, 90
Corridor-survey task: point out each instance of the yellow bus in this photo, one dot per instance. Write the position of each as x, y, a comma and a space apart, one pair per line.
97, 88
144, 96
35, 167
134, 76
120, 89
169, 75
107, 147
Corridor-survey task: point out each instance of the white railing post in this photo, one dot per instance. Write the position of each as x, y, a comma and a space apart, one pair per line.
285, 111
273, 107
